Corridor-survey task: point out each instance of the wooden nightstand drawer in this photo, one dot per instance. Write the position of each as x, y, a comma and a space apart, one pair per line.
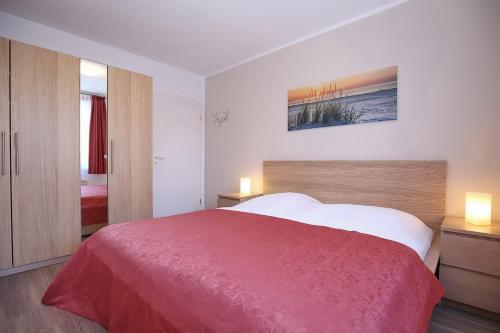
232, 199
474, 253
224, 202
476, 289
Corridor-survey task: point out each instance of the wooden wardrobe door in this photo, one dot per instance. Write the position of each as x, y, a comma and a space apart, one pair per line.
45, 153
5, 220
130, 145
119, 110
141, 146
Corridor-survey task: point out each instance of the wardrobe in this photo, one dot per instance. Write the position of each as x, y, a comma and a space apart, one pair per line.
40, 169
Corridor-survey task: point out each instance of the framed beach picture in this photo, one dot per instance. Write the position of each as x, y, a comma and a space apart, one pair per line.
361, 98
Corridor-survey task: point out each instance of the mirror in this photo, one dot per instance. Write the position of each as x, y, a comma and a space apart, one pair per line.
93, 146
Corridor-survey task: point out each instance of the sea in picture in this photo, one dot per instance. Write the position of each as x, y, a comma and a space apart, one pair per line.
367, 97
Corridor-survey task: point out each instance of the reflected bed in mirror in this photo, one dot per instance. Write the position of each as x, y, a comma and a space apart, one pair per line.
93, 146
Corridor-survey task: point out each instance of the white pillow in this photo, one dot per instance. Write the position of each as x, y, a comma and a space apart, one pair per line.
382, 222
284, 205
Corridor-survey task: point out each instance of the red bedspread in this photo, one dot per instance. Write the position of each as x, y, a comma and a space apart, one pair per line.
230, 271
94, 202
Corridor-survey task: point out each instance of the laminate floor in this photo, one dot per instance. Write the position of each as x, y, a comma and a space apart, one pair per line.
21, 310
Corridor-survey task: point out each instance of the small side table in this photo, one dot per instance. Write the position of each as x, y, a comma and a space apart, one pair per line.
232, 199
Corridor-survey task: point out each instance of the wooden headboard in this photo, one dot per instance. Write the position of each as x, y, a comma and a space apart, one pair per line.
415, 187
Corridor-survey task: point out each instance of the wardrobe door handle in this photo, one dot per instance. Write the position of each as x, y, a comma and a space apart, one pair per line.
16, 147
3, 153
111, 156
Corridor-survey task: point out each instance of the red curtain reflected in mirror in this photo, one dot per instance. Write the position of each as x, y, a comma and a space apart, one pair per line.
97, 136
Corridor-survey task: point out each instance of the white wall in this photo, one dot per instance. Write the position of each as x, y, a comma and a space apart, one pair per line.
448, 57
170, 85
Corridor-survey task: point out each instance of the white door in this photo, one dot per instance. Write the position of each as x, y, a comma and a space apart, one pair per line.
177, 154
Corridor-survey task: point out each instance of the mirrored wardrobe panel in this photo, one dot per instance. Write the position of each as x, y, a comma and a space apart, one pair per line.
93, 146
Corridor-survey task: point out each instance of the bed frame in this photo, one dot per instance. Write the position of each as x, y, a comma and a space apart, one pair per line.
415, 187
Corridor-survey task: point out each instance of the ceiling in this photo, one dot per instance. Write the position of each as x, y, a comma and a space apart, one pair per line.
200, 36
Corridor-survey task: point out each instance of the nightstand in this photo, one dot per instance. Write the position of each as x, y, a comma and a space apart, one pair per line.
230, 200
470, 263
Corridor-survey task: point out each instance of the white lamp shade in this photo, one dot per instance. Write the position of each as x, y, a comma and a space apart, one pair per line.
245, 186
478, 208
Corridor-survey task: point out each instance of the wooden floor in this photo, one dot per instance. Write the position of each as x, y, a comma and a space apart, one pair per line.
22, 311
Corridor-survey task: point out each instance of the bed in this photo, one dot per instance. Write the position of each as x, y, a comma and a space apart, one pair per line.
415, 187
94, 207
233, 271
